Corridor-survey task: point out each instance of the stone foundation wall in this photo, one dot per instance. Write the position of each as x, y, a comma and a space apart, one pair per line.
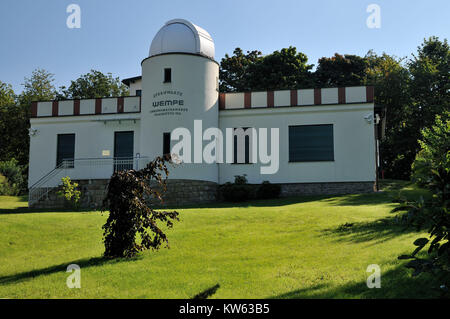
188, 192
179, 192
299, 189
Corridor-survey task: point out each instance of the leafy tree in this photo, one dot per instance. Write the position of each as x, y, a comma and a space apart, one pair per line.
38, 87
94, 84
129, 214
234, 70
7, 104
390, 77
431, 169
430, 82
15, 114
341, 70
428, 96
7, 96
284, 69
281, 70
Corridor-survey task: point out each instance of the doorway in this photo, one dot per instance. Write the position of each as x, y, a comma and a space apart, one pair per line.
123, 150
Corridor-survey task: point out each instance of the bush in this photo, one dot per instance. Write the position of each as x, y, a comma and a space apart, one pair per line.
268, 190
130, 217
239, 191
4, 186
13, 173
431, 169
70, 192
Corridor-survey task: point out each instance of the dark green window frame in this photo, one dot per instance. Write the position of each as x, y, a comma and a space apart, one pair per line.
311, 143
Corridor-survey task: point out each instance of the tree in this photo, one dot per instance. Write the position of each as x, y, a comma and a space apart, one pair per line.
430, 81
94, 84
7, 103
234, 70
341, 70
281, 70
427, 95
7, 96
129, 214
390, 78
284, 69
38, 87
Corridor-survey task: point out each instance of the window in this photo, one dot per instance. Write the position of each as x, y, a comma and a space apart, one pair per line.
138, 92
311, 143
167, 75
166, 144
65, 149
239, 158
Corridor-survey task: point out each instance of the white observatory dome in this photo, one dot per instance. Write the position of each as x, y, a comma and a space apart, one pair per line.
182, 36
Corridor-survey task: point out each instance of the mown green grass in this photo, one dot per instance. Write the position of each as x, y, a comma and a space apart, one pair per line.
288, 248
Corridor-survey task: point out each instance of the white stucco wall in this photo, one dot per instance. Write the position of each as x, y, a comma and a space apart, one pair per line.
92, 136
354, 144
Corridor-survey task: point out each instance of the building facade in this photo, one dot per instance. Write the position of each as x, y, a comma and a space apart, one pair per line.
325, 141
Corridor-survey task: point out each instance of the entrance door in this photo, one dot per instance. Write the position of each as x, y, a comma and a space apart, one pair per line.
123, 150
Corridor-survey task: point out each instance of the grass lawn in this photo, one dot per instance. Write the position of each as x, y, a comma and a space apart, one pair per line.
288, 248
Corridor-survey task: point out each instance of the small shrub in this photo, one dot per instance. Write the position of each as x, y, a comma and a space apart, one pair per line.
235, 192
4, 186
239, 191
268, 190
70, 192
240, 179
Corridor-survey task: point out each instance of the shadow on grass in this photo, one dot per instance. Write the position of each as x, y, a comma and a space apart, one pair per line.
83, 263
396, 283
207, 292
380, 230
27, 210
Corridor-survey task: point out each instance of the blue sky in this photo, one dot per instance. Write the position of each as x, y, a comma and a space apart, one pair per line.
115, 35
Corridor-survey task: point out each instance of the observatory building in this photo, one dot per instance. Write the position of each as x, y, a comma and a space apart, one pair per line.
308, 140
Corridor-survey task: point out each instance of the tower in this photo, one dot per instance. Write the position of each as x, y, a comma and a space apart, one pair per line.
179, 85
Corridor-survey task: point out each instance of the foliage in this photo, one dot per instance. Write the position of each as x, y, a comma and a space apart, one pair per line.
38, 87
390, 78
7, 96
240, 179
15, 117
430, 81
70, 192
5, 188
239, 191
94, 84
284, 69
433, 160
268, 190
130, 215
234, 71
13, 172
432, 170
340, 70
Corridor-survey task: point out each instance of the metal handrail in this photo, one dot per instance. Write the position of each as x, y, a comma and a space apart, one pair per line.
60, 166
38, 191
